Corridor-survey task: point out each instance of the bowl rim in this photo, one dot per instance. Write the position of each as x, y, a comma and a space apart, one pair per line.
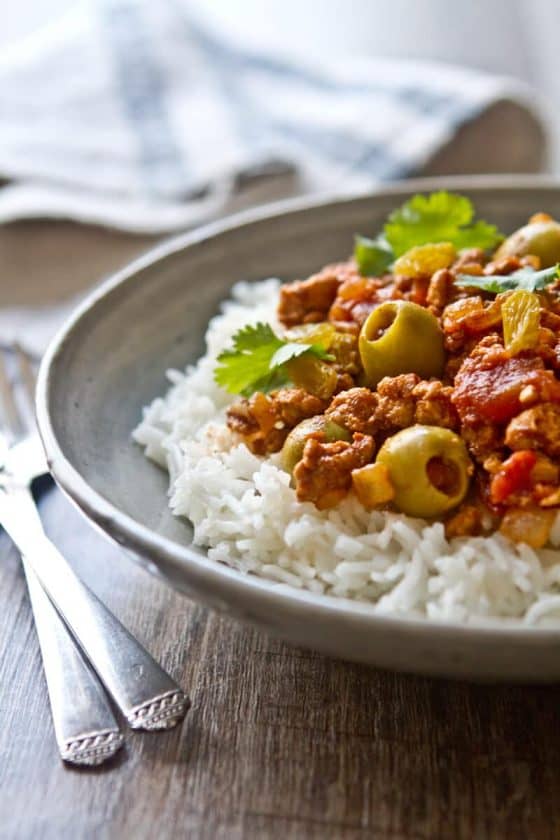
197, 569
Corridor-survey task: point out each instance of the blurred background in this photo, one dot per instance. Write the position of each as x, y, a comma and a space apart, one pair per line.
122, 121
512, 37
517, 37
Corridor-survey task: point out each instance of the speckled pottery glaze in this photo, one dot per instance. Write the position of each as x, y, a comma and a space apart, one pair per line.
110, 359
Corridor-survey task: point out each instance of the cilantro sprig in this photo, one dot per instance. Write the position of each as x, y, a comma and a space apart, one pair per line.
524, 278
438, 217
373, 256
257, 360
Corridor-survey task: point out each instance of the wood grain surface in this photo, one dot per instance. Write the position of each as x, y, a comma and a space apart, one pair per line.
279, 742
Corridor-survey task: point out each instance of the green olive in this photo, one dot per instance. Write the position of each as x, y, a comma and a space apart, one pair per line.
401, 337
540, 238
429, 468
313, 375
292, 450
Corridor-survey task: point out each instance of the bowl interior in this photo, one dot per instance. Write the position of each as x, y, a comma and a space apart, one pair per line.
113, 361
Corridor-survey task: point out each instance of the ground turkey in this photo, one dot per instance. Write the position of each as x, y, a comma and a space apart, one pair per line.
324, 474
536, 428
308, 301
265, 420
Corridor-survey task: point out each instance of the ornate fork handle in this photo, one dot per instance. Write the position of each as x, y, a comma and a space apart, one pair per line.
85, 728
143, 691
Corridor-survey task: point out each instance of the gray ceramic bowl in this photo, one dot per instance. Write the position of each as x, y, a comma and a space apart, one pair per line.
111, 358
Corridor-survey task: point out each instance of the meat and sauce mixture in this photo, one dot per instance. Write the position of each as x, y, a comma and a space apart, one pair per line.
423, 378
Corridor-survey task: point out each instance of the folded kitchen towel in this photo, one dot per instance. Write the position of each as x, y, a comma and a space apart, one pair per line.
132, 114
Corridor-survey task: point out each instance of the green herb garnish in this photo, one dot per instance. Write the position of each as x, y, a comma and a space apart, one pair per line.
525, 278
438, 217
374, 256
257, 360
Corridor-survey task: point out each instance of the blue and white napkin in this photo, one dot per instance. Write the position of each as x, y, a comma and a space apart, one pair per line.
133, 114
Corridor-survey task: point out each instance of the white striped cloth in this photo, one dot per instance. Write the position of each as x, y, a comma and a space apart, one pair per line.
132, 114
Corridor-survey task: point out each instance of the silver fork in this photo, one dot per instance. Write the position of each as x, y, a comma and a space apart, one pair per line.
85, 727
146, 695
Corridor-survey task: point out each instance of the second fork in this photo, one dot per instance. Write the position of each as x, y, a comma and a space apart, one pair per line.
145, 693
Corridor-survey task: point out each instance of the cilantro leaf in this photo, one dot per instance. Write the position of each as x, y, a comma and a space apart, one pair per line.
524, 278
478, 235
427, 218
257, 359
438, 217
248, 360
273, 380
374, 256
292, 349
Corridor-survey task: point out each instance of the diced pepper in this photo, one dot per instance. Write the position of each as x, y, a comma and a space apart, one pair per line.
514, 476
372, 485
491, 390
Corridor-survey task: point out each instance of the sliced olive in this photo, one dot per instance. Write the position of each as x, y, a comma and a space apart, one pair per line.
429, 468
294, 444
401, 337
541, 238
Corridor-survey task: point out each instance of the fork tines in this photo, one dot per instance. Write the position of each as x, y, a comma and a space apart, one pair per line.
18, 371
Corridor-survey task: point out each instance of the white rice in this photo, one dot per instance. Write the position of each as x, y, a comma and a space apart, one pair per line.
243, 509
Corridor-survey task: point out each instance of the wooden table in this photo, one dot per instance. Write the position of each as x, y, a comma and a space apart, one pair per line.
279, 742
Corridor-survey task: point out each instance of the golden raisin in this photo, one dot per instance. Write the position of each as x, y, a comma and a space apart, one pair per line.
424, 260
